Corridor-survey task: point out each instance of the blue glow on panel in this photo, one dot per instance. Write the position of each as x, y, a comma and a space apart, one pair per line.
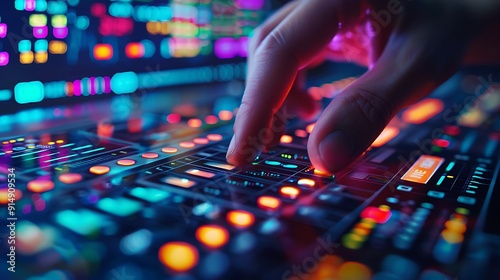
126, 82
149, 48
41, 5
57, 7
165, 48
24, 46
19, 5
30, 92
5, 95
82, 22
124, 10
41, 45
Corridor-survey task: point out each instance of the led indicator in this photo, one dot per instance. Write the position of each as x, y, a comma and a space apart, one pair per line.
103, 52
240, 218
423, 169
212, 236
178, 256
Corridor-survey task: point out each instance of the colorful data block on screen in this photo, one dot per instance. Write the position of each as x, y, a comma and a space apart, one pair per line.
60, 32
5, 95
37, 20
30, 92
134, 50
40, 32
103, 52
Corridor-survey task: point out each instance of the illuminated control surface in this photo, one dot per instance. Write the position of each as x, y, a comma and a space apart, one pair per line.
152, 196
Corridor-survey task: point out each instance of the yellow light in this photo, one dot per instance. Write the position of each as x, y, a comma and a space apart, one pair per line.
195, 123
12, 141
126, 162
40, 185
37, 20
286, 139
59, 21
225, 115
240, 218
4, 195
187, 145
290, 192
457, 226
307, 182
99, 169
310, 128
57, 47
268, 202
354, 271
387, 135
26, 57
60, 141
169, 150
452, 236
423, 111
212, 236
353, 241
178, 256
51, 143
41, 57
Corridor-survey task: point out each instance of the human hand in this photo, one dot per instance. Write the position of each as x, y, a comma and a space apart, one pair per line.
419, 46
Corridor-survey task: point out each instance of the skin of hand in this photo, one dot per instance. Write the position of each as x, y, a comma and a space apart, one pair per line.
411, 47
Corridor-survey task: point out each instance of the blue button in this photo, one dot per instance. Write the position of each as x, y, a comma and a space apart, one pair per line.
436, 194
466, 200
404, 188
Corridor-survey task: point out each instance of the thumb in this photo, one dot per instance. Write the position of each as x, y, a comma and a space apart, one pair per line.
409, 68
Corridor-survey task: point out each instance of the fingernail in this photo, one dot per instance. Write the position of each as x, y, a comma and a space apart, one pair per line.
231, 149
336, 151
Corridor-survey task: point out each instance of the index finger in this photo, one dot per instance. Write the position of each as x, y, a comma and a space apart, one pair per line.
286, 49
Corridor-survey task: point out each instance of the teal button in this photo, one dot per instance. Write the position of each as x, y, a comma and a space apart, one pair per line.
119, 206
150, 194
436, 194
5, 95
126, 82
30, 92
82, 221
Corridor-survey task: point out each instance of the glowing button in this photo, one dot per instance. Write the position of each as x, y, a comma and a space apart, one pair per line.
240, 218
200, 173
310, 128
40, 185
187, 145
225, 115
169, 150
286, 139
380, 216
150, 155
103, 52
178, 256
214, 137
5, 198
194, 123
201, 141
354, 270
457, 226
70, 178
452, 237
99, 169
212, 236
180, 182
307, 182
173, 118
268, 202
126, 162
290, 192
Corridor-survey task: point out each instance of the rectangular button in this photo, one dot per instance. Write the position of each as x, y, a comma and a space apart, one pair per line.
435, 194
180, 182
404, 188
466, 200
423, 169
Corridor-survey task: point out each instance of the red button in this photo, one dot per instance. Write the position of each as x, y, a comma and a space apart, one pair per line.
441, 143
380, 216
452, 130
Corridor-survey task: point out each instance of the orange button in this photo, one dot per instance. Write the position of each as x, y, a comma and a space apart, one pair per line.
178, 256
70, 178
126, 162
286, 139
268, 202
290, 192
40, 185
5, 198
169, 150
99, 169
423, 169
212, 236
150, 155
240, 218
214, 137
187, 145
